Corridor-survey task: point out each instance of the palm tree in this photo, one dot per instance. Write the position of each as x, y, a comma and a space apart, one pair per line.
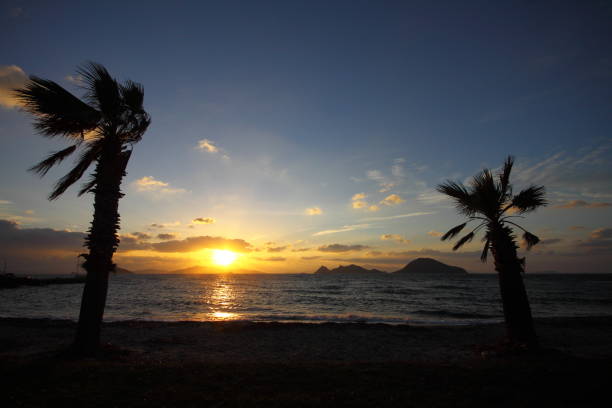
489, 200
103, 127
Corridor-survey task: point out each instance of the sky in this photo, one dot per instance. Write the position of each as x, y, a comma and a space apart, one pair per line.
307, 133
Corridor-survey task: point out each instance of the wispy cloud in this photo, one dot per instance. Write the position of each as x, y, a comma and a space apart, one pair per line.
208, 146
342, 248
582, 204
77, 79
392, 199
435, 233
165, 225
394, 237
204, 220
584, 173
166, 236
277, 249
394, 217
314, 211
150, 184
346, 228
272, 259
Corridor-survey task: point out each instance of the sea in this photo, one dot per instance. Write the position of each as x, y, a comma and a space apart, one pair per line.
391, 299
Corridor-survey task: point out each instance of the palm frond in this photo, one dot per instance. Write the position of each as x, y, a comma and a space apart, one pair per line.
56, 111
102, 89
132, 94
88, 187
486, 195
485, 251
460, 195
530, 239
465, 239
450, 234
504, 175
55, 158
87, 158
529, 199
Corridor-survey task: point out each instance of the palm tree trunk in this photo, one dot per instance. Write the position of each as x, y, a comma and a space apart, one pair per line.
102, 242
517, 313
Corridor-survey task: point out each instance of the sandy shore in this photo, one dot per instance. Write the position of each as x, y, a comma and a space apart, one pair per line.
281, 364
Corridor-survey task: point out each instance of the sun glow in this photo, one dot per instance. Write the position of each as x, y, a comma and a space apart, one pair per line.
223, 257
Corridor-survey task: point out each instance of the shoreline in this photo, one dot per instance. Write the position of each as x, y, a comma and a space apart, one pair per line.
240, 341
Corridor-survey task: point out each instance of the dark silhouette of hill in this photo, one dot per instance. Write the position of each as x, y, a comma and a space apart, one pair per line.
122, 271
347, 270
428, 265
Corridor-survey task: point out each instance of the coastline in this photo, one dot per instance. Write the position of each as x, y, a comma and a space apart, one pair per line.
242, 341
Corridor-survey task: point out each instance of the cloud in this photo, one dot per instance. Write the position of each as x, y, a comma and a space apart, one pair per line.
5, 202
342, 248
14, 238
150, 184
394, 217
599, 241
208, 145
577, 228
310, 258
277, 249
130, 242
394, 237
583, 204
435, 233
272, 259
550, 241
11, 77
343, 229
165, 225
201, 220
314, 211
584, 172
392, 199
358, 202
141, 235
166, 236
191, 244
77, 79
602, 233
431, 197
300, 250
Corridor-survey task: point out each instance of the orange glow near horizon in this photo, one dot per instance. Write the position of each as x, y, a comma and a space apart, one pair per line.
223, 257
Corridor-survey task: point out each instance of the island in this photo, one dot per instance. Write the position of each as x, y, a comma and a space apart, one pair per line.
347, 270
430, 266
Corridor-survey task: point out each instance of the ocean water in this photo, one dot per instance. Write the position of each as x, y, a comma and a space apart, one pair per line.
464, 299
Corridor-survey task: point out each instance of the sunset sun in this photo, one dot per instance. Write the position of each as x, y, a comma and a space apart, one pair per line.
223, 257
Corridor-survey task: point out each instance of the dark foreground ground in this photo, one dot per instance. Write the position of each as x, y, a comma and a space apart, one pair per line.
234, 364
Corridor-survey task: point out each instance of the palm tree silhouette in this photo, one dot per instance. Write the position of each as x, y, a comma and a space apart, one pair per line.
103, 127
489, 202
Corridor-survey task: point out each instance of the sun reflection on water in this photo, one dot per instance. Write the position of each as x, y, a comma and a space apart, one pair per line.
223, 299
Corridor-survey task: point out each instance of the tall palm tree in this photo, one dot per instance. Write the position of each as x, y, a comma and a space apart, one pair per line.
490, 202
103, 127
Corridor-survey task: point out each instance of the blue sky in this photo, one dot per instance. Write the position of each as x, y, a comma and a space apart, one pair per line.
308, 104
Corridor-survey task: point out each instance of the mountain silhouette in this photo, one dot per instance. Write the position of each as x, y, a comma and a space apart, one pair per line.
347, 270
429, 265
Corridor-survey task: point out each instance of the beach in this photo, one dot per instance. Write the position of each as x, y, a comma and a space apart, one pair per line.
240, 363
